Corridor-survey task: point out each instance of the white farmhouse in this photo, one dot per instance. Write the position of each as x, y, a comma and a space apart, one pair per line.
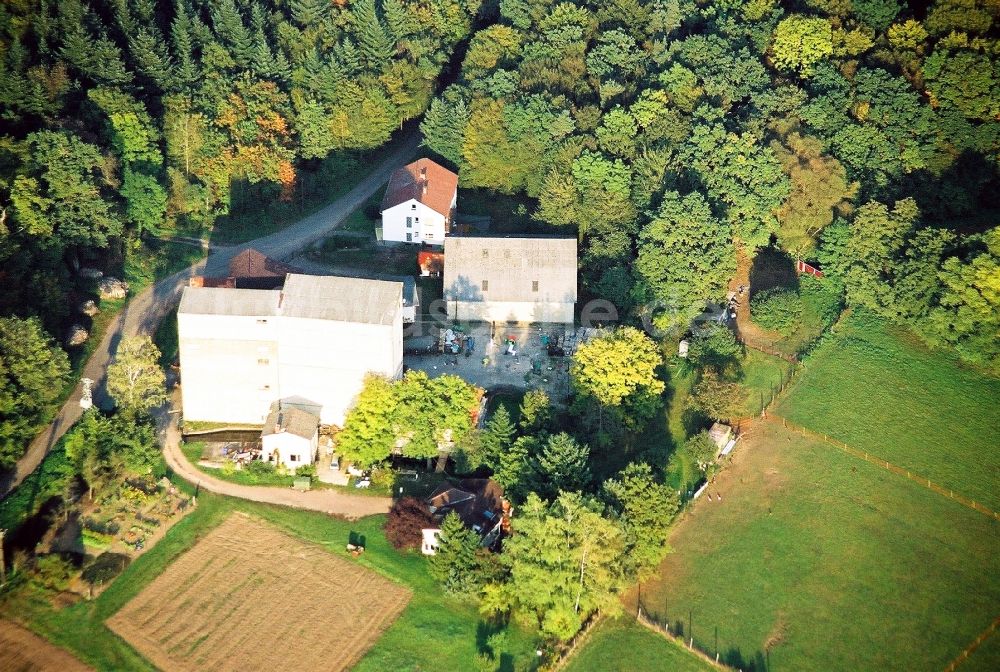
419, 203
290, 436
510, 279
308, 345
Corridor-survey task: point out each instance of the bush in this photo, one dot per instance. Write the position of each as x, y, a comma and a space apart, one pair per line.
101, 527
306, 471
52, 572
104, 567
406, 519
821, 298
778, 309
260, 468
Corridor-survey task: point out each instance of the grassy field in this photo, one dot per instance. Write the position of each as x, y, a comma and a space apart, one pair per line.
624, 646
813, 559
877, 389
433, 632
762, 374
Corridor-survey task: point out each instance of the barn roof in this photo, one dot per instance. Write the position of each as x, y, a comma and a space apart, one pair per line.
510, 267
227, 301
424, 180
330, 297
321, 297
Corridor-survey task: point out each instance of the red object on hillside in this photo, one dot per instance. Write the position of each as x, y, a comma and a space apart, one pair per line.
803, 267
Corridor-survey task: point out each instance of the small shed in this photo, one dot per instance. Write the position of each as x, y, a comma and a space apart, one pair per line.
723, 437
290, 436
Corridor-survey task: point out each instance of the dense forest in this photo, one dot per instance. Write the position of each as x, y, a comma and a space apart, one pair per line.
122, 118
861, 135
676, 137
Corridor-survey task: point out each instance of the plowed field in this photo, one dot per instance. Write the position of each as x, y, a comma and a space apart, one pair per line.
249, 596
24, 651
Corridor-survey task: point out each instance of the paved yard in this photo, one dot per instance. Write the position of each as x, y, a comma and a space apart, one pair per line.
490, 366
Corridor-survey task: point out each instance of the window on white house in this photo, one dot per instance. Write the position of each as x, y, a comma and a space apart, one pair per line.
486, 285
534, 285
263, 361
409, 222
413, 206
261, 321
416, 219
293, 458
409, 237
265, 387
428, 235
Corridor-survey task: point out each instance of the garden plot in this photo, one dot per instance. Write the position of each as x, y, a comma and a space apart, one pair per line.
249, 596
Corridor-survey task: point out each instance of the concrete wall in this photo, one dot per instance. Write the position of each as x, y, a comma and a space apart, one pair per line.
427, 226
327, 361
288, 445
229, 367
233, 368
510, 311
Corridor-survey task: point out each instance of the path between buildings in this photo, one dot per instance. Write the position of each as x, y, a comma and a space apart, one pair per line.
143, 312
326, 500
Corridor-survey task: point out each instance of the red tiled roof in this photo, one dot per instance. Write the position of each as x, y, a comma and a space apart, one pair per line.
427, 182
253, 264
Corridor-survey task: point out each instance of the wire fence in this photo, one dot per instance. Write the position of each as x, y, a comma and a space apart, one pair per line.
873, 459
562, 656
983, 636
663, 629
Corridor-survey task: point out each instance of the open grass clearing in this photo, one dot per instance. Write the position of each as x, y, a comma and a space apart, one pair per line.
250, 595
622, 645
879, 390
817, 560
434, 631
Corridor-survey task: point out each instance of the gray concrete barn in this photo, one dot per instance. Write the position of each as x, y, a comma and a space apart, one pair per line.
510, 279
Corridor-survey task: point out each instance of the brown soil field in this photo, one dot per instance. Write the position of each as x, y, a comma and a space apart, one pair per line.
251, 597
24, 651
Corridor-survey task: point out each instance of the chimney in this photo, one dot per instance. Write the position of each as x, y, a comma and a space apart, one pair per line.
425, 187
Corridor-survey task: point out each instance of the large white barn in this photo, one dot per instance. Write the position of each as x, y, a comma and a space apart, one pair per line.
308, 345
510, 279
419, 203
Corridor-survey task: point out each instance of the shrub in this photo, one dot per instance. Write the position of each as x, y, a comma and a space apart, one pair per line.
778, 309
306, 471
407, 517
104, 567
821, 298
52, 572
260, 468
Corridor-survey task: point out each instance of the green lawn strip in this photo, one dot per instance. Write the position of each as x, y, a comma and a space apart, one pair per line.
622, 645
878, 390
433, 632
818, 560
362, 219
762, 375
